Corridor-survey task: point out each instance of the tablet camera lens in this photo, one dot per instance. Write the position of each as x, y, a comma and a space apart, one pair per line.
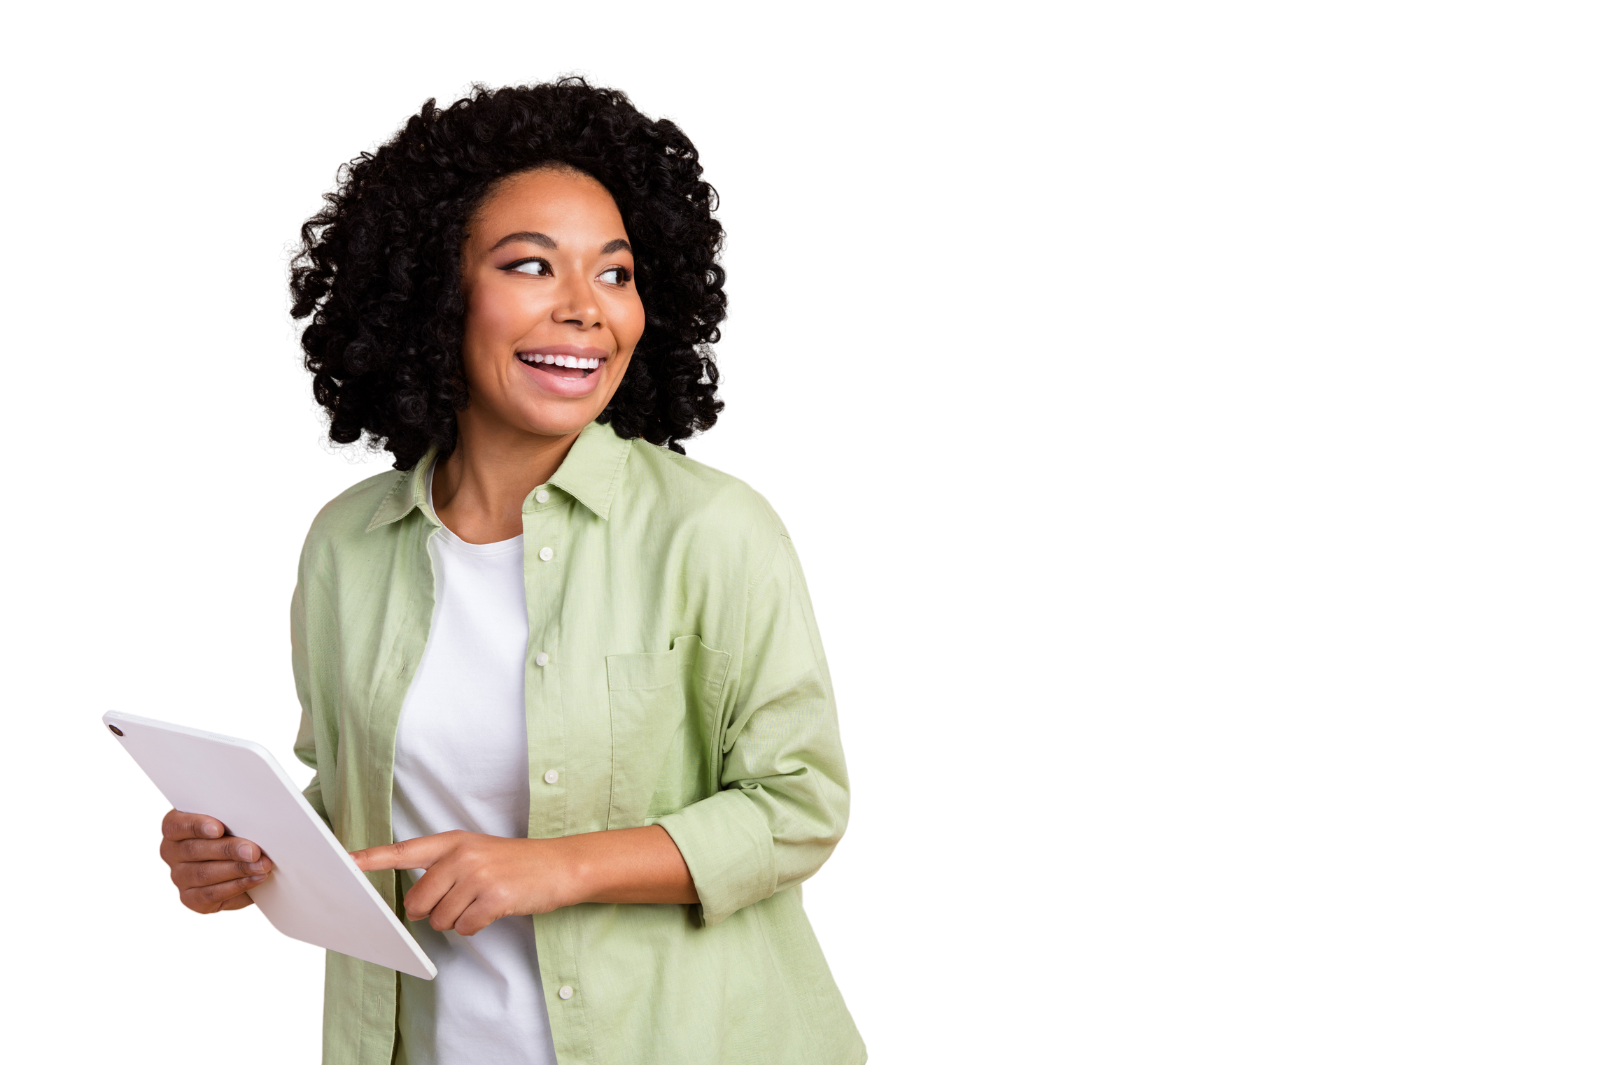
115, 729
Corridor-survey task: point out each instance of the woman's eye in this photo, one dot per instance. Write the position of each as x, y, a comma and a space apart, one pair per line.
536, 267
617, 275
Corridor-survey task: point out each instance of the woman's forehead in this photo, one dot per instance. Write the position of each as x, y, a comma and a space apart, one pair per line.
548, 199
551, 191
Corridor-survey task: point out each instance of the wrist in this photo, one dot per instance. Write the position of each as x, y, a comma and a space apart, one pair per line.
577, 873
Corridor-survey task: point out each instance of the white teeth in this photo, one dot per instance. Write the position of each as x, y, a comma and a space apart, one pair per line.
564, 360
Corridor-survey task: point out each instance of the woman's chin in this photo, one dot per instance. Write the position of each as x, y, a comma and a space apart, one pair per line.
553, 416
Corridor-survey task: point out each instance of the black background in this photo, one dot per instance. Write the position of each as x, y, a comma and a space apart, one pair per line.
146, 303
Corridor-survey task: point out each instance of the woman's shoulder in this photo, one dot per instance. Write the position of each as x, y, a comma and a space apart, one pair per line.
677, 491
349, 515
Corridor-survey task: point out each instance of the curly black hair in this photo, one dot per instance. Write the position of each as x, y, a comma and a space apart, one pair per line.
378, 270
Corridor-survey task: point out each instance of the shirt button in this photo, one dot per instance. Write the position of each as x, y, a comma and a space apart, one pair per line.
541, 496
565, 992
551, 776
546, 553
541, 659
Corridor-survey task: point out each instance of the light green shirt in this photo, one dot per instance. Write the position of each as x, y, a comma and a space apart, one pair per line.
683, 685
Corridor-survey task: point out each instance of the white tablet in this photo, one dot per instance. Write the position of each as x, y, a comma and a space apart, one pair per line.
314, 893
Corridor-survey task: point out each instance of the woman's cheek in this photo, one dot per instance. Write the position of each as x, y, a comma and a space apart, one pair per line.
499, 314
629, 324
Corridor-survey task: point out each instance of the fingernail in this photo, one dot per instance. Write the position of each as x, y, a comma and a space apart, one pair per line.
257, 867
253, 879
211, 830
247, 852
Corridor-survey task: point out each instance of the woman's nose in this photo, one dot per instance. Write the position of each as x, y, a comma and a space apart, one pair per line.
577, 305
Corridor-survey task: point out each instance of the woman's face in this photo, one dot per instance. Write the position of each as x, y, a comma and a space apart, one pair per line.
547, 273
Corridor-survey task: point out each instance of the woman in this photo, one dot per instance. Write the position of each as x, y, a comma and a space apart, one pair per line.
572, 672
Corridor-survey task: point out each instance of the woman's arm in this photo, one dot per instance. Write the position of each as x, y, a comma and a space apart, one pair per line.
472, 879
784, 796
305, 741
630, 865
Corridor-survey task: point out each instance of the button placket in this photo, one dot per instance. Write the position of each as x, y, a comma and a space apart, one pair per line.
546, 677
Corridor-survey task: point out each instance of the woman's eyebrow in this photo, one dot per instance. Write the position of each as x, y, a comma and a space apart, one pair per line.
530, 238
548, 242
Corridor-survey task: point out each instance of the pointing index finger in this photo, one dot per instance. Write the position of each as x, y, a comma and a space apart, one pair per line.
407, 854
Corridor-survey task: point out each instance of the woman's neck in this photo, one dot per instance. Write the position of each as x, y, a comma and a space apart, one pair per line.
478, 491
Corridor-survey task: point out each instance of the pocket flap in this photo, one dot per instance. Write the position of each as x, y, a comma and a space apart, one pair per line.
670, 668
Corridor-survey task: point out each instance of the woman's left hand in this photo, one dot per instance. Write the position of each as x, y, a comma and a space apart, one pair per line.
472, 880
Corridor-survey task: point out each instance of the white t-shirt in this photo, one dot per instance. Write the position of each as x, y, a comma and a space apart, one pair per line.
461, 761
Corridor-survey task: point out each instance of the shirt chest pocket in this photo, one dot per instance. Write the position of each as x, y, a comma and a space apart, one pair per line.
665, 709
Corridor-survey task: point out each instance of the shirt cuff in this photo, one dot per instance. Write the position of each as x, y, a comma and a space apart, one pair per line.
727, 844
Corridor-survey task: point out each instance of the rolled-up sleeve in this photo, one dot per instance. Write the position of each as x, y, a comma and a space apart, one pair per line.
785, 797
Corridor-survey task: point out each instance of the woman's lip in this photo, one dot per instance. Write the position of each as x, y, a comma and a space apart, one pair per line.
566, 387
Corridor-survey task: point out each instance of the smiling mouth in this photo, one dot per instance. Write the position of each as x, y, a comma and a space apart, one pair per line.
562, 365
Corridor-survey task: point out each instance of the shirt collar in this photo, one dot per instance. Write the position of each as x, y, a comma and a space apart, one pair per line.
590, 473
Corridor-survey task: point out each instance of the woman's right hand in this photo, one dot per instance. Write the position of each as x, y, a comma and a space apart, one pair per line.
212, 869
